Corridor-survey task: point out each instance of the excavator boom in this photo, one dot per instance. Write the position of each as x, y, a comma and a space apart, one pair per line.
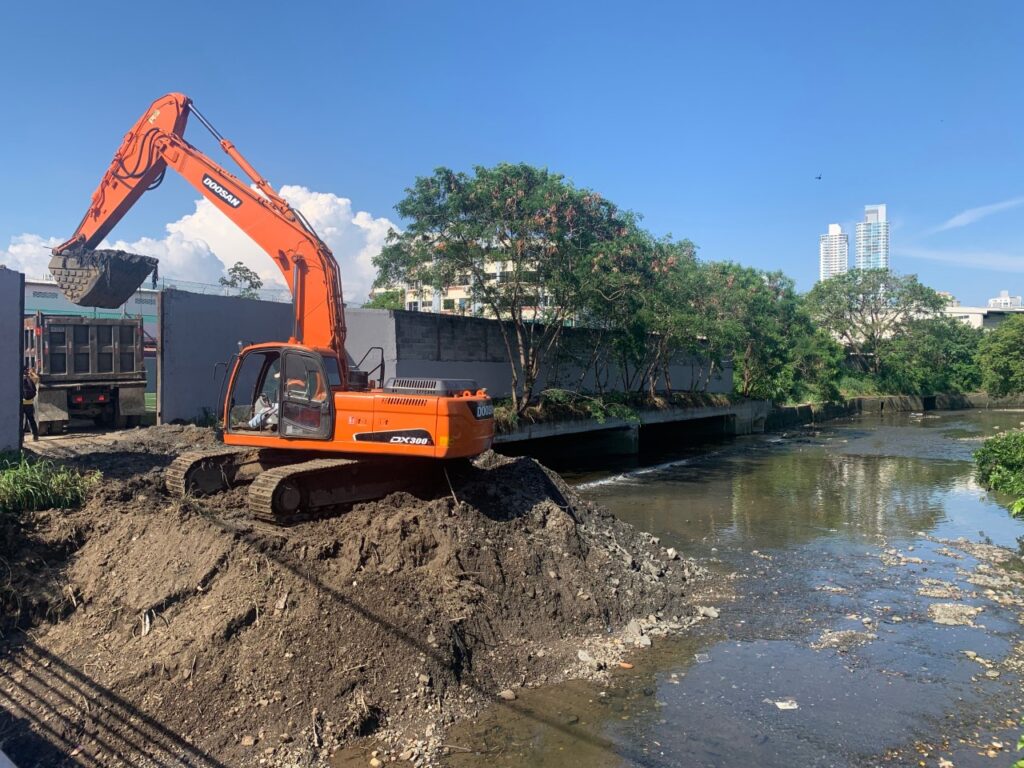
157, 141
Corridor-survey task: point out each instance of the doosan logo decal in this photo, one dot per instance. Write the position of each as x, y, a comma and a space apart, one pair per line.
224, 194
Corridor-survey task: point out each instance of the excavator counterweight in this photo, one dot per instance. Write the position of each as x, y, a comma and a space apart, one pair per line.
306, 431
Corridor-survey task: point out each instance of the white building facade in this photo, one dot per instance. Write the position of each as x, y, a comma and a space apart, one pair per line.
833, 252
1005, 301
873, 239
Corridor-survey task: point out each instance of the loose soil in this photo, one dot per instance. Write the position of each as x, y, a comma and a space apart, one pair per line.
167, 631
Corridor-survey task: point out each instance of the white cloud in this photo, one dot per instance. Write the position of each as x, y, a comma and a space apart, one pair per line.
29, 254
993, 260
972, 215
199, 245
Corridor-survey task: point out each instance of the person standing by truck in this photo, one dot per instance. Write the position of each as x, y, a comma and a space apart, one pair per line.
28, 401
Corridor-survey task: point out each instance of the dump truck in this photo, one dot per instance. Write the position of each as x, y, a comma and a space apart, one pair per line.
89, 368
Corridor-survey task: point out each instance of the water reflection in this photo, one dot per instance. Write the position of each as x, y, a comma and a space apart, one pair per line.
784, 497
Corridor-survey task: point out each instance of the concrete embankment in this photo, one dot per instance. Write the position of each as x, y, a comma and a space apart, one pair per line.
784, 416
621, 436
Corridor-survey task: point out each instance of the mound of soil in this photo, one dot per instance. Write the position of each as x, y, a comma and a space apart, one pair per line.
197, 636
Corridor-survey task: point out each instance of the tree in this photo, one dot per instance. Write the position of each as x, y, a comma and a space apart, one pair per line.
932, 354
244, 279
865, 307
1001, 357
524, 240
393, 299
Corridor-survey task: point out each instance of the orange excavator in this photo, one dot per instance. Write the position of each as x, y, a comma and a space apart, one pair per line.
300, 423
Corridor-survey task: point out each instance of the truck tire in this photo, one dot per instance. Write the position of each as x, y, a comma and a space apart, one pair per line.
104, 278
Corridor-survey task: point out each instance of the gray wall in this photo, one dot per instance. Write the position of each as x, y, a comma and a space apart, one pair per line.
12, 297
450, 346
198, 331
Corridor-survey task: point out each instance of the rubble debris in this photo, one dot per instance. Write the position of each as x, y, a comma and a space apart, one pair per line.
333, 616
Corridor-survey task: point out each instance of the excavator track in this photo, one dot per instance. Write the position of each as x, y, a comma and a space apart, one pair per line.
203, 473
312, 489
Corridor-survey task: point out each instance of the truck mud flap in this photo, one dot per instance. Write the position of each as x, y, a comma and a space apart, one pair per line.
103, 278
52, 405
131, 401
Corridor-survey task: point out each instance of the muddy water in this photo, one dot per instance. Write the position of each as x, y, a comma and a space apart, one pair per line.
828, 532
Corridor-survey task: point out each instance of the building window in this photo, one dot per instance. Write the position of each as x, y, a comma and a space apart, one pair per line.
413, 306
448, 305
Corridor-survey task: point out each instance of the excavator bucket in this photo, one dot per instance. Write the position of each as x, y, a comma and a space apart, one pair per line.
103, 278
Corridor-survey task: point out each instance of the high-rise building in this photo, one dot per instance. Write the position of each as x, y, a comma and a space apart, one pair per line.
833, 252
873, 239
1005, 301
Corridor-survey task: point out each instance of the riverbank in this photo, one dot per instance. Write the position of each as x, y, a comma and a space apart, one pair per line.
867, 561
166, 629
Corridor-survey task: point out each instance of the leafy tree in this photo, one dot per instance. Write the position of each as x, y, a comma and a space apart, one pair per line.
524, 240
1002, 358
933, 354
244, 279
865, 307
394, 299
817, 361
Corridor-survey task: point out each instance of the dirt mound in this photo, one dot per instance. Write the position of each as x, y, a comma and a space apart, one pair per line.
100, 278
198, 635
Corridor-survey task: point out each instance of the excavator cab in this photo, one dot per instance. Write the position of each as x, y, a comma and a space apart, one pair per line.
282, 391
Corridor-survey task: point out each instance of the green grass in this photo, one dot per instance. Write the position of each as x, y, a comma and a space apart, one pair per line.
28, 484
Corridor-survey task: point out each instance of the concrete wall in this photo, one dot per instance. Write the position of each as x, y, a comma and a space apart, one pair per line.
450, 346
198, 331
12, 302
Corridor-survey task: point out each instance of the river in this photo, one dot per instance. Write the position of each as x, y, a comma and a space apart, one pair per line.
839, 529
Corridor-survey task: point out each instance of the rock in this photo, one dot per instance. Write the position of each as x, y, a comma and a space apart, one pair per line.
708, 612
248, 741
843, 640
992, 673
953, 614
425, 679
286, 737
508, 695
672, 553
375, 762
406, 756
643, 641
633, 630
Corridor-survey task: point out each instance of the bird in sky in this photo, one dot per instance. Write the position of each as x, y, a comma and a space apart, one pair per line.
818, 177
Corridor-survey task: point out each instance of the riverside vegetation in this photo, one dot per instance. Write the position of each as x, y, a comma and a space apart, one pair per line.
540, 254
1000, 466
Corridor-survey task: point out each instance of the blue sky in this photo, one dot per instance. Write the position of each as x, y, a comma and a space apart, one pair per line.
710, 119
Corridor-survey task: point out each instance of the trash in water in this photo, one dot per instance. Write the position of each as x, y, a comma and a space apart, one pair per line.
787, 704
702, 658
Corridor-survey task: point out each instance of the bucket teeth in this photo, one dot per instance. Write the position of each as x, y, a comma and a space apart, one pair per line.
104, 278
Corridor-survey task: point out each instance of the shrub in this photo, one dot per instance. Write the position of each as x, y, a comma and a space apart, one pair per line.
40, 484
1000, 466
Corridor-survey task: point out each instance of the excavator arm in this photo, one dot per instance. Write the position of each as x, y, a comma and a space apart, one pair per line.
157, 141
